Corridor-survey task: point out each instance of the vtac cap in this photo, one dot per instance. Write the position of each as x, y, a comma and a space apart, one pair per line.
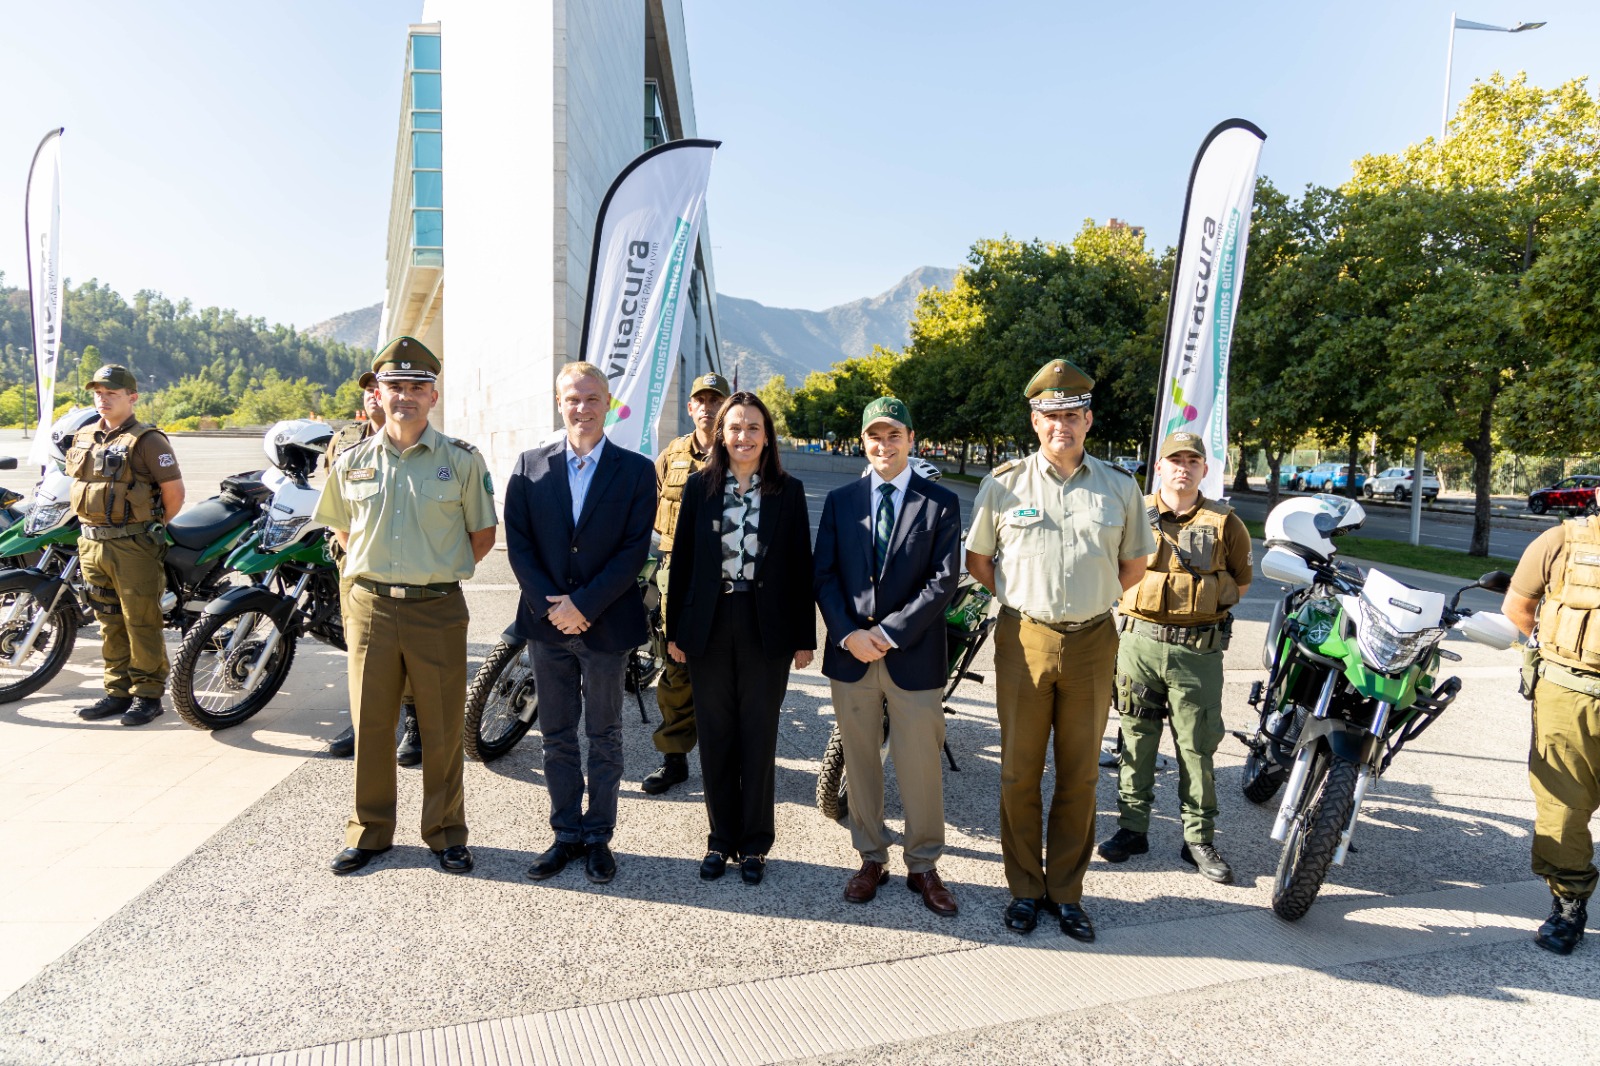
886, 409
1058, 386
406, 359
1182, 442
112, 376
711, 383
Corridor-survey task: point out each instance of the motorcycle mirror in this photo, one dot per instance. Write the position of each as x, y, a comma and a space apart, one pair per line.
1497, 581
8, 462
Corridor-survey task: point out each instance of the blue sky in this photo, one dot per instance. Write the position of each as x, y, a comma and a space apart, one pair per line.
241, 154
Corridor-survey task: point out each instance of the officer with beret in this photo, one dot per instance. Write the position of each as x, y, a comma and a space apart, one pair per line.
408, 752
675, 737
1175, 626
1058, 537
414, 511
125, 484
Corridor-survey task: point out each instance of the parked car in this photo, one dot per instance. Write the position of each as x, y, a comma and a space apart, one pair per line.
1330, 477
1290, 477
1130, 463
1571, 494
1395, 482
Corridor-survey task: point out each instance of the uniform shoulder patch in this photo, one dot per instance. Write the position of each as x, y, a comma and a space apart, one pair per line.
463, 445
1007, 465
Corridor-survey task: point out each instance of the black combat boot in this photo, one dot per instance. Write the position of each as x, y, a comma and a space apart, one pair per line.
674, 770
1561, 931
344, 745
105, 707
409, 751
143, 710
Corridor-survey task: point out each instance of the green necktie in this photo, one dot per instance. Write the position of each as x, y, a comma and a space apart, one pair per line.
885, 523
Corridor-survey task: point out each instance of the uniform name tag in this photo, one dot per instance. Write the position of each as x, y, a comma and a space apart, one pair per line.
1025, 512
681, 464
361, 473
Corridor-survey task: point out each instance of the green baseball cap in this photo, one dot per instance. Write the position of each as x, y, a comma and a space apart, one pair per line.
112, 376
711, 383
1183, 442
886, 407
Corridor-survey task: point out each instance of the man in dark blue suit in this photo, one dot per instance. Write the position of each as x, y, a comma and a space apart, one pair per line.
886, 570
578, 516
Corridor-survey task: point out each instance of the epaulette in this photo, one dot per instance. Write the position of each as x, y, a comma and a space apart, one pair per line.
1003, 467
1124, 471
463, 445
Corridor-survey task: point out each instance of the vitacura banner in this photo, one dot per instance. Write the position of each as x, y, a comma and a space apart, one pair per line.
1193, 388
644, 244
42, 231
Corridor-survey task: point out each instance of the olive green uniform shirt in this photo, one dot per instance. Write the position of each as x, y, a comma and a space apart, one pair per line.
408, 513
1057, 542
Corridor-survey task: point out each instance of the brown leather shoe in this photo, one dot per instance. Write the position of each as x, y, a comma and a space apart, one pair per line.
937, 898
862, 887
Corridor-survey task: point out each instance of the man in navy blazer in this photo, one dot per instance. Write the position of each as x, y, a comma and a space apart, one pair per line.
578, 517
886, 569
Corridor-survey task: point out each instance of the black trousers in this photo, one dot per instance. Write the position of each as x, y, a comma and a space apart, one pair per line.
738, 691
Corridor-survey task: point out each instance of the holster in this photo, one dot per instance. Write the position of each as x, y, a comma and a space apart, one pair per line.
1529, 676
1138, 701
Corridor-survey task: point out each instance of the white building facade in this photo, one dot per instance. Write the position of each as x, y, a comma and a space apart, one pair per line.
516, 117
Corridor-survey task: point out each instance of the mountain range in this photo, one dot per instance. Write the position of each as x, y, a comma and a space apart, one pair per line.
758, 341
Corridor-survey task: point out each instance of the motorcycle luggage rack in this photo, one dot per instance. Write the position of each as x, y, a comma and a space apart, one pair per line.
1428, 709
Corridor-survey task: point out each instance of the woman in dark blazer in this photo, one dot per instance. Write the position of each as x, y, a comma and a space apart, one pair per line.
739, 611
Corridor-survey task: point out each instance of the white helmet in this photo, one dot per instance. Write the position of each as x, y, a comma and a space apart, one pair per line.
1308, 524
295, 445
66, 427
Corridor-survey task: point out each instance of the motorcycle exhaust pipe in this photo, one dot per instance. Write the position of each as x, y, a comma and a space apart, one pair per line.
1291, 794
1363, 779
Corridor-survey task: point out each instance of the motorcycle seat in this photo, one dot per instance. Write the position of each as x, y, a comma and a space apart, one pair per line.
203, 524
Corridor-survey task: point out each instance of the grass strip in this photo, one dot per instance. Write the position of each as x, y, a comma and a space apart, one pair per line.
1446, 561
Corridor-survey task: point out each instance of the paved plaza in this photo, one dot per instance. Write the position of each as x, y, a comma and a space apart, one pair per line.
168, 901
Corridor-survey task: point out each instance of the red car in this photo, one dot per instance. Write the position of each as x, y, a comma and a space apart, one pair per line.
1573, 495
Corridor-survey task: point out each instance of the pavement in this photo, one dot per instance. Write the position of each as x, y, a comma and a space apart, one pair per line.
169, 902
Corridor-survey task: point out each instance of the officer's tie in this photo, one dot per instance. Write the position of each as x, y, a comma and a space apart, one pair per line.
884, 524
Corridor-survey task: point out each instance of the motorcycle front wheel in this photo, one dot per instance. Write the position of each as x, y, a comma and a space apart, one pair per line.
1314, 833
501, 703
1262, 778
211, 676
833, 788
52, 646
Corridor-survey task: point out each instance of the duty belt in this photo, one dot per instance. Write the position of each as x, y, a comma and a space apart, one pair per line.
409, 592
1200, 638
117, 532
1568, 678
1059, 627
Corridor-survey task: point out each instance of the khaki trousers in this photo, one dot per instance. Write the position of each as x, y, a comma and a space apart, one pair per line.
395, 644
1564, 771
127, 577
1044, 681
916, 739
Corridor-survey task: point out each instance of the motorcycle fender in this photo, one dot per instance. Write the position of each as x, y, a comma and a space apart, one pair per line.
1344, 740
36, 583
254, 598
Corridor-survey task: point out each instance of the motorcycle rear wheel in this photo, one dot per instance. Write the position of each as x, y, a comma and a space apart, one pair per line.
215, 660
1314, 835
833, 787
51, 648
500, 694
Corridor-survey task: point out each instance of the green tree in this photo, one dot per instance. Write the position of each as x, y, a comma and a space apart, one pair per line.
272, 398
779, 398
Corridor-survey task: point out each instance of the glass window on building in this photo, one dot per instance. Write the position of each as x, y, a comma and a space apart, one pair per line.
425, 51
425, 92
655, 124
427, 152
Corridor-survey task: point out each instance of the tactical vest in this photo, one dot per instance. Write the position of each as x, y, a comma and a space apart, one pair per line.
1168, 589
1569, 618
680, 462
104, 489
346, 438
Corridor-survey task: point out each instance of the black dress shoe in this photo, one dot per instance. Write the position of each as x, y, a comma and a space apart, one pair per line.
1076, 924
105, 707
674, 770
145, 709
1022, 915
600, 866
350, 860
752, 868
343, 746
554, 859
409, 751
455, 859
713, 866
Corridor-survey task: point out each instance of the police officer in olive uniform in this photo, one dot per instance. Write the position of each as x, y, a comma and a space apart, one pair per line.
1058, 537
1175, 625
414, 510
125, 484
1561, 568
408, 752
675, 737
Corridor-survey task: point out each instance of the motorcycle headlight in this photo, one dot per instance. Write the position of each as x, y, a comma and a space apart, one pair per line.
44, 517
282, 532
1388, 649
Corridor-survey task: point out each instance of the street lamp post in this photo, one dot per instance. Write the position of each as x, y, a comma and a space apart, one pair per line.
1444, 131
